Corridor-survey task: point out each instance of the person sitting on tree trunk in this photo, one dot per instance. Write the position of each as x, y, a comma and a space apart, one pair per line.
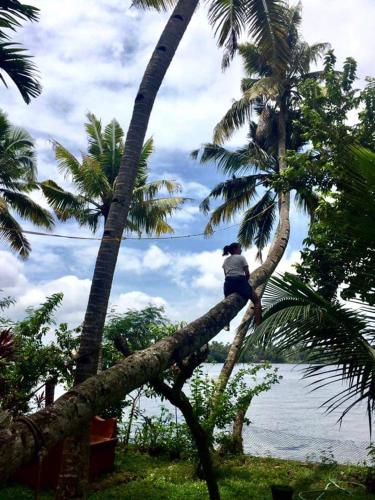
237, 275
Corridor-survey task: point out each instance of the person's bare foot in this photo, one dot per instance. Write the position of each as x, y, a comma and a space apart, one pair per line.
226, 328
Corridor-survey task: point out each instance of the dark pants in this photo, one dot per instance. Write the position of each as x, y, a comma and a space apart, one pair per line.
237, 284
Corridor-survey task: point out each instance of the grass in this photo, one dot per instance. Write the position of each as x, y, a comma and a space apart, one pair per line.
139, 477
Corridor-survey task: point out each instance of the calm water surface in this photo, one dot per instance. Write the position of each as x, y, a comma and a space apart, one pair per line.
287, 421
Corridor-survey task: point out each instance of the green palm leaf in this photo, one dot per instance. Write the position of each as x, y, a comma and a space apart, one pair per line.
65, 204
113, 150
16, 63
158, 5
238, 114
237, 162
27, 208
339, 340
151, 189
13, 12
11, 231
94, 135
257, 223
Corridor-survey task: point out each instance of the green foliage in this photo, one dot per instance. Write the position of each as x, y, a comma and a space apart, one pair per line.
340, 341
346, 215
94, 178
17, 178
33, 361
14, 60
270, 85
236, 396
137, 330
163, 435
257, 354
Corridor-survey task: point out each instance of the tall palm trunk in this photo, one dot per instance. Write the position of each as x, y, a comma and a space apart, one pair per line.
107, 256
74, 478
260, 275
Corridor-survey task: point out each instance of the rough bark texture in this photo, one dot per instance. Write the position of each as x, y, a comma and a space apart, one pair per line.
238, 427
49, 391
260, 275
71, 412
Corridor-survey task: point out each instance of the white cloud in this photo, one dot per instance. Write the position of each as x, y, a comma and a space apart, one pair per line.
136, 300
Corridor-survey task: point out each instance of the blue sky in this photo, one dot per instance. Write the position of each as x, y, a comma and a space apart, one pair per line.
91, 55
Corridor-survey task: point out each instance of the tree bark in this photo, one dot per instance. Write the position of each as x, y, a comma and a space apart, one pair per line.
49, 391
260, 275
238, 426
71, 412
200, 436
92, 330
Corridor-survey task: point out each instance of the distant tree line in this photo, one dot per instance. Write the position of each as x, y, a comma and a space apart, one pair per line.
218, 352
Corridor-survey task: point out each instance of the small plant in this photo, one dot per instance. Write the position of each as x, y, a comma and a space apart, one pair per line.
327, 457
162, 435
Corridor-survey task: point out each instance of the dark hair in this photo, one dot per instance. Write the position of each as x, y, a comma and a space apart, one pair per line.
229, 249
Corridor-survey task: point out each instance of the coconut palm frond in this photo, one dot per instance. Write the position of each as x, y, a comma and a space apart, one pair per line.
228, 17
93, 128
111, 156
67, 163
251, 156
11, 231
238, 114
142, 173
236, 191
150, 216
63, 202
17, 64
253, 61
267, 25
158, 5
257, 223
27, 208
92, 180
13, 13
18, 148
339, 339
307, 202
237, 194
151, 189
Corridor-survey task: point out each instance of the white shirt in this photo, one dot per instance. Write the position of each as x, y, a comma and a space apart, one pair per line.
234, 265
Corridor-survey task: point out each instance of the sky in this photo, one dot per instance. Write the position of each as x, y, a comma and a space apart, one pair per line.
91, 55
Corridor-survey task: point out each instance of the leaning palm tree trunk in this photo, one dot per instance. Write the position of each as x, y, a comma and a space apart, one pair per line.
259, 276
96, 311
21, 441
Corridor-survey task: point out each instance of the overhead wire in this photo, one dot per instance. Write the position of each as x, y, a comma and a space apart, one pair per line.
137, 238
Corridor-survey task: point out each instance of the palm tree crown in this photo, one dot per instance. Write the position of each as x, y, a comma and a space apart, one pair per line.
14, 60
94, 178
18, 177
267, 88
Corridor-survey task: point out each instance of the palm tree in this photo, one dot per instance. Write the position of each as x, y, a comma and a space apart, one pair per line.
14, 60
340, 341
95, 180
265, 22
269, 88
17, 179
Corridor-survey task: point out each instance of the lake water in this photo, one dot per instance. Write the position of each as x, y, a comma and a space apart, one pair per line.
287, 421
